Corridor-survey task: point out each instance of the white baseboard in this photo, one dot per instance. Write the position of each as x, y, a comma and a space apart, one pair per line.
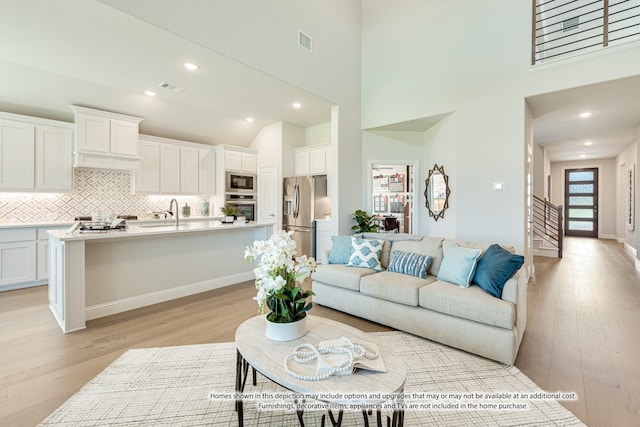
630, 249
608, 236
549, 253
126, 304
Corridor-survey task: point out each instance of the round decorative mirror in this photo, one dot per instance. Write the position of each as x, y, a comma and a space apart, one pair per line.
437, 192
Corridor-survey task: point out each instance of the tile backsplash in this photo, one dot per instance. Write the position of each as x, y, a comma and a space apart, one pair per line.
93, 190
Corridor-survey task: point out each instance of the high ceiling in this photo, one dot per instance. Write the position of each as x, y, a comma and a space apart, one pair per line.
58, 53
612, 127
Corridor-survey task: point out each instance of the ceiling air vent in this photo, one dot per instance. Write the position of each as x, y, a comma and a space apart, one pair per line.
570, 24
304, 41
169, 86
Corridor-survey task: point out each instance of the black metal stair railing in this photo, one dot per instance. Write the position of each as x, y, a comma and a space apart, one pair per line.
547, 223
565, 27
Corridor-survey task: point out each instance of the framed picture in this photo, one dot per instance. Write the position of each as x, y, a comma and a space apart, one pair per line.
380, 183
630, 199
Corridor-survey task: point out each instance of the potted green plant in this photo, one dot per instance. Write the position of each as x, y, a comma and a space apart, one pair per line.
279, 279
230, 212
364, 222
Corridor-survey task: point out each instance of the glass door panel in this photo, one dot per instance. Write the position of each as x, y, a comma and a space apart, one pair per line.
581, 195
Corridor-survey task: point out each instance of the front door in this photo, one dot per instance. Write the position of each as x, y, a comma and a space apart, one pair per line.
581, 201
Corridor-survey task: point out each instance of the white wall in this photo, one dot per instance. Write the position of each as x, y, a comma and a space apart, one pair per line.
440, 148
539, 175
319, 134
268, 142
607, 184
426, 58
626, 160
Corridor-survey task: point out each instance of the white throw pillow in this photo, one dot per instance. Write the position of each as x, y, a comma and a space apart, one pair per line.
366, 253
459, 265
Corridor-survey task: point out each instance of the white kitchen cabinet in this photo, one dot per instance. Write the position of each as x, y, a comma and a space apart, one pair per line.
174, 167
24, 256
17, 153
318, 162
35, 154
93, 133
207, 171
249, 162
147, 179
54, 159
42, 257
189, 170
169, 168
17, 256
124, 138
312, 160
42, 252
240, 161
301, 162
106, 140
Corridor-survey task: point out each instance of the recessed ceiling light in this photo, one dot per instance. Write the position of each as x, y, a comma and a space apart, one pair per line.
582, 156
585, 114
249, 119
588, 143
150, 93
190, 66
297, 105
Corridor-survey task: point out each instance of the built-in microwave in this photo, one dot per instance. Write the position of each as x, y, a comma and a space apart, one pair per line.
237, 182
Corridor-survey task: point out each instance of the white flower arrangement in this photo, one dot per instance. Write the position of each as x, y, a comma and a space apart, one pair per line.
279, 277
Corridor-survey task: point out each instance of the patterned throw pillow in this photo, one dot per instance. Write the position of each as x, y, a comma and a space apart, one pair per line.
366, 253
410, 263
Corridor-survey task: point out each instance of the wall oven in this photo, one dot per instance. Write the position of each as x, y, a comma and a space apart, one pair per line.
246, 204
238, 182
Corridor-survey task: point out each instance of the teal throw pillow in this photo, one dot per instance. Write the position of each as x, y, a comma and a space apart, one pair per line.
340, 250
410, 263
366, 253
458, 265
494, 269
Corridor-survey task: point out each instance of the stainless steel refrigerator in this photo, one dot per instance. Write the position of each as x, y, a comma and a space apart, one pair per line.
298, 213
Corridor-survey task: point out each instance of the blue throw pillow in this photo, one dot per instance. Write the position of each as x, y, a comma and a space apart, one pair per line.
340, 250
458, 265
366, 253
494, 269
410, 263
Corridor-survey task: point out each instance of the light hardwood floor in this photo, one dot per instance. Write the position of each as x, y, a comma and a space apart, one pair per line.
583, 335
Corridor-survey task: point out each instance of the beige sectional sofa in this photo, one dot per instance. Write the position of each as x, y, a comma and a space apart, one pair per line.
467, 318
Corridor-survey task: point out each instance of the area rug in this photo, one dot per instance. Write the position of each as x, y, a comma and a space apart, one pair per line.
187, 385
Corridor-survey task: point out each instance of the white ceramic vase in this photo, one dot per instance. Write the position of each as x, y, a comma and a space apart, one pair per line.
286, 331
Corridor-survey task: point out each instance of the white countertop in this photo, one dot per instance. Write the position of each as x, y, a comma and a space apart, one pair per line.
70, 222
155, 229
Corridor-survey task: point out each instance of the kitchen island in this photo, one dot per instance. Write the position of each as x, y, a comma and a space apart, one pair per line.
97, 274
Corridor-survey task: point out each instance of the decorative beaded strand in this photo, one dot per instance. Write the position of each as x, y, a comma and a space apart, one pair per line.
306, 353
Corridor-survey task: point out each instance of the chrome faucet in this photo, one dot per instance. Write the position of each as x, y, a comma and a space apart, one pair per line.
177, 217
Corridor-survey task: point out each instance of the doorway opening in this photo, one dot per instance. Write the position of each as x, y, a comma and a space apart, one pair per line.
392, 196
581, 201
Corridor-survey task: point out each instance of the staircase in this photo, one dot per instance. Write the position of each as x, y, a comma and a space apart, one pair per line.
547, 228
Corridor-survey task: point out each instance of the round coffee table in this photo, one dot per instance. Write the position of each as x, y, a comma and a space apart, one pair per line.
256, 351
